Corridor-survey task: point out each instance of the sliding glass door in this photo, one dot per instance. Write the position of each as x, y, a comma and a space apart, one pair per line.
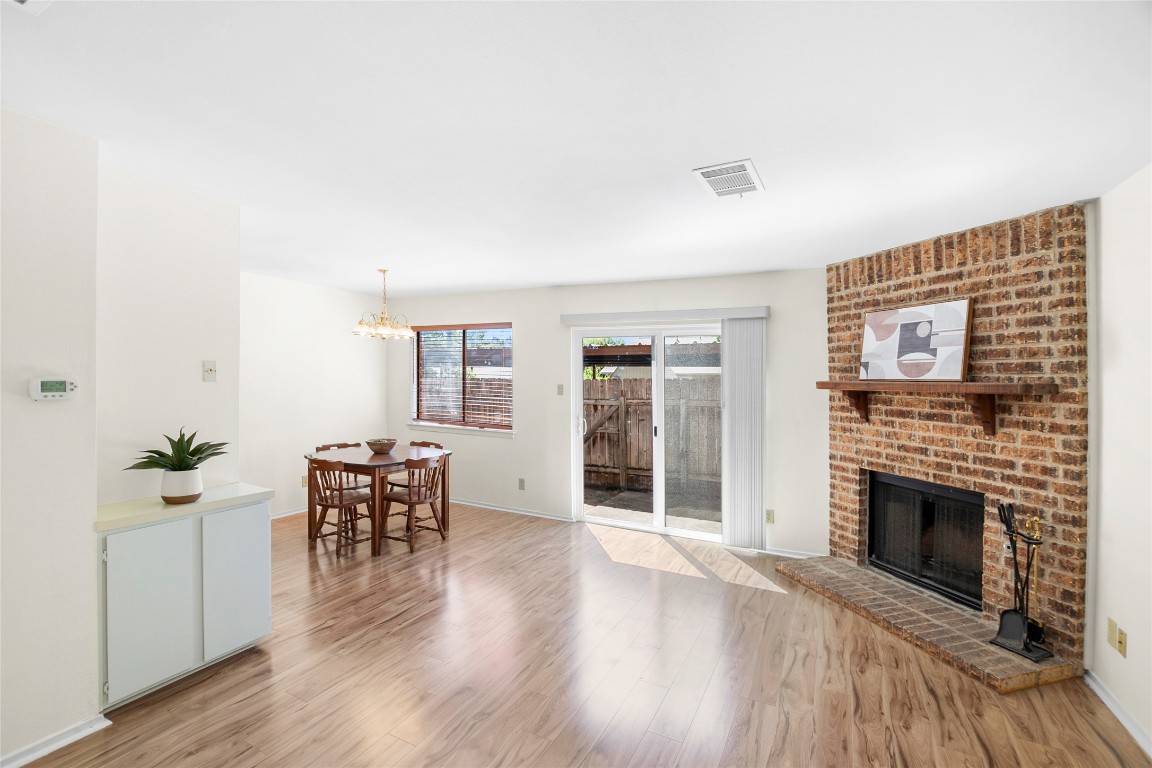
649, 428
616, 428
692, 431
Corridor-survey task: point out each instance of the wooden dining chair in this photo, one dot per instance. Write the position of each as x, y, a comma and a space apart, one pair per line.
400, 479
351, 479
331, 492
422, 487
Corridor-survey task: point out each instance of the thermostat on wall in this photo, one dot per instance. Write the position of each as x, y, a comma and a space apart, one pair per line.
51, 388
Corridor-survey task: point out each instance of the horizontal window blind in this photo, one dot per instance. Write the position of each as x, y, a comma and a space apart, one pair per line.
464, 375
440, 360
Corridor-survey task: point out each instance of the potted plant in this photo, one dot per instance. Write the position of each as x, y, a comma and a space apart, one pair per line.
181, 482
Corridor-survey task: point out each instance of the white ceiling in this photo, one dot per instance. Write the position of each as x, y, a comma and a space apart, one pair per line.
474, 146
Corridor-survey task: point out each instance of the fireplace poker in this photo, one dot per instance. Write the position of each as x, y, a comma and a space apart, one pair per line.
1035, 626
1014, 622
1031, 542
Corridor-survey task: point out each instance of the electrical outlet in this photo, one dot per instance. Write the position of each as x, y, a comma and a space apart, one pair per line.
303, 481
521, 483
1122, 642
1112, 632
560, 389
208, 370
770, 516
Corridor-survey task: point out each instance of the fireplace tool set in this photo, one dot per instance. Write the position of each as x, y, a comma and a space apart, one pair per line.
1019, 633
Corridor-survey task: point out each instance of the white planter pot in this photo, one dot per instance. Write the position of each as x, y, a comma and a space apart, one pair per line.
181, 487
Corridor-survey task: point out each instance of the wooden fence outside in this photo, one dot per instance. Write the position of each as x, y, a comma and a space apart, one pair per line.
489, 400
618, 431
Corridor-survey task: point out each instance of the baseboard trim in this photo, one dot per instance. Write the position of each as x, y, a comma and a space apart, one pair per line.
789, 553
514, 510
54, 742
1138, 733
288, 512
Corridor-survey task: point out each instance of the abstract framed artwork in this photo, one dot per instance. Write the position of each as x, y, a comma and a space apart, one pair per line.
924, 343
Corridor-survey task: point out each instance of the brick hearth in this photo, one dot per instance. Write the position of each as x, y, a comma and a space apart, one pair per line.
1026, 280
955, 635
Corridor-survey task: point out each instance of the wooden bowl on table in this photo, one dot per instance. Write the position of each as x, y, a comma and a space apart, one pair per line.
381, 445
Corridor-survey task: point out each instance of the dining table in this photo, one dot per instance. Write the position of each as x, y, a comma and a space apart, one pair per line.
361, 460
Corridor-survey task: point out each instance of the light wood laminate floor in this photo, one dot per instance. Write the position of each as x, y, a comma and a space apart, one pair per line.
523, 641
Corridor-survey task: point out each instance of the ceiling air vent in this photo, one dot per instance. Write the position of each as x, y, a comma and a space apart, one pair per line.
734, 178
34, 7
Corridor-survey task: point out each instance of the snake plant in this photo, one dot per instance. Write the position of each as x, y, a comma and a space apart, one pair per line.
185, 455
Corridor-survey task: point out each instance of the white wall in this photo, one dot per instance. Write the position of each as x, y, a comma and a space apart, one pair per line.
486, 466
167, 288
304, 380
48, 499
1123, 422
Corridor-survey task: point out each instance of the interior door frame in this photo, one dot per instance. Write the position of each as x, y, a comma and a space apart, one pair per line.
658, 332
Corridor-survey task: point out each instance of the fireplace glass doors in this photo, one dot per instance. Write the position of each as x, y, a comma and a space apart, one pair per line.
931, 535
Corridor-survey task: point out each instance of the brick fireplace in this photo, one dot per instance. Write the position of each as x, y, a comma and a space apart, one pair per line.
1026, 280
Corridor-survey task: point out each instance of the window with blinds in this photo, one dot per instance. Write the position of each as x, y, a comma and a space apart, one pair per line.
464, 375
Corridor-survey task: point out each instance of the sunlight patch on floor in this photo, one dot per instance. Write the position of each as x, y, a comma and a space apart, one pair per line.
727, 566
687, 557
642, 549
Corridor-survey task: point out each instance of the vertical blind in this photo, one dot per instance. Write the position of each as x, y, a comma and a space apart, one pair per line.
464, 375
743, 386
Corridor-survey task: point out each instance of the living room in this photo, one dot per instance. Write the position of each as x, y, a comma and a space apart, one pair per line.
125, 278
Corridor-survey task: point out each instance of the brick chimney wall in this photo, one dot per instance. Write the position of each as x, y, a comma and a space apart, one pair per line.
1026, 280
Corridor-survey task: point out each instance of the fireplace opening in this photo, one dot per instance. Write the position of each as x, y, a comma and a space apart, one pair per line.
928, 534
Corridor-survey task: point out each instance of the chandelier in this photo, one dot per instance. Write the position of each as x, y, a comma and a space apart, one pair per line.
384, 326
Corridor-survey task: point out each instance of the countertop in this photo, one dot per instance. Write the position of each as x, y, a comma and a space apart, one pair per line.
125, 514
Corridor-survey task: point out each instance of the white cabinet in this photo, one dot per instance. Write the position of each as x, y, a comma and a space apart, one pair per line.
151, 612
237, 579
183, 586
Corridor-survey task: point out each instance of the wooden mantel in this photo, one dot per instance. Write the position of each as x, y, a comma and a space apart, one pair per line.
981, 395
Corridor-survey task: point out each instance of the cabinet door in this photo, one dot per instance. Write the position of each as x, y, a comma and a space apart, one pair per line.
237, 578
152, 606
